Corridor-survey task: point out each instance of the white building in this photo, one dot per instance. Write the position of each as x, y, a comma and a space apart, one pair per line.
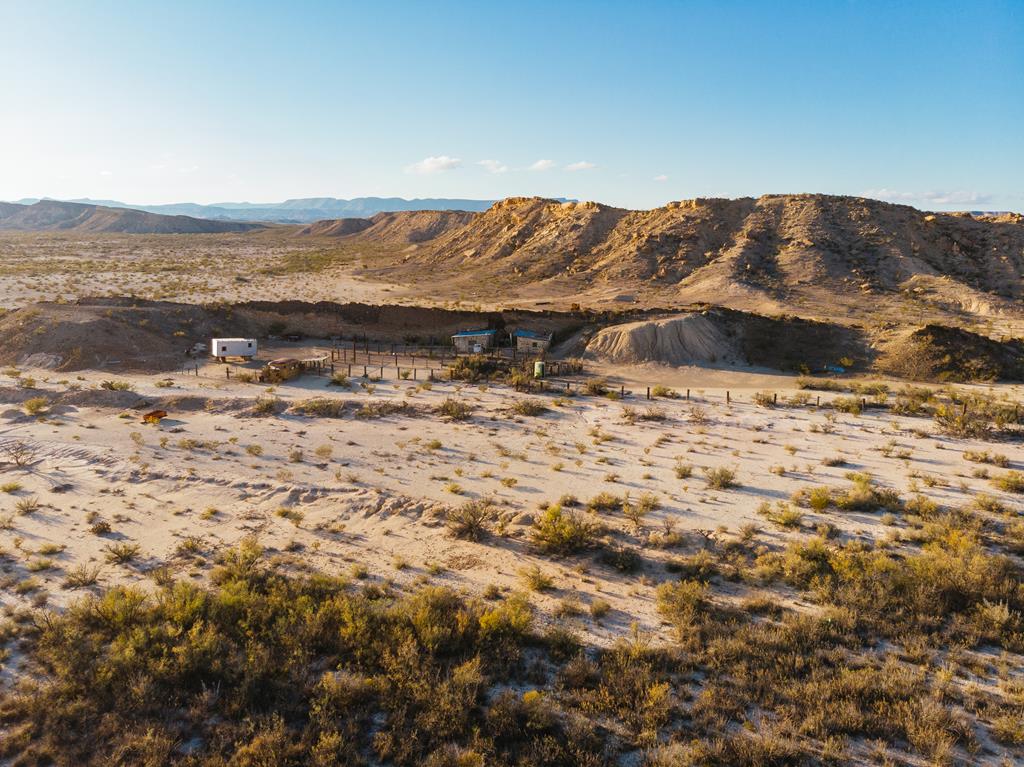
220, 348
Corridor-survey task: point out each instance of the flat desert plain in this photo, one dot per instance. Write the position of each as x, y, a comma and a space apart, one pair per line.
369, 489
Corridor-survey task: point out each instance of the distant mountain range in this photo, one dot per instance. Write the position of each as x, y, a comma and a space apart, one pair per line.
54, 215
298, 211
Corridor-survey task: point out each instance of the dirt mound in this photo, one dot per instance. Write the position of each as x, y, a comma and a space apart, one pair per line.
939, 353
47, 215
727, 337
690, 339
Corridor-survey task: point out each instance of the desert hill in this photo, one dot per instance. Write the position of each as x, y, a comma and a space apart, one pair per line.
50, 215
817, 255
771, 243
394, 228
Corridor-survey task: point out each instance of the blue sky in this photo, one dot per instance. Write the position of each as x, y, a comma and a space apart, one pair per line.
632, 104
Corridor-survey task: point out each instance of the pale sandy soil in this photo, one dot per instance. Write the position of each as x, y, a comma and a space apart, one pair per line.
375, 493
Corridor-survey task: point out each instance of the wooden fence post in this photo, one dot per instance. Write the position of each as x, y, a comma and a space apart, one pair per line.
727, 399
687, 395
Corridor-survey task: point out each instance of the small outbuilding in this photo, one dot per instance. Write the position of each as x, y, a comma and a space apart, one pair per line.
221, 348
530, 340
474, 341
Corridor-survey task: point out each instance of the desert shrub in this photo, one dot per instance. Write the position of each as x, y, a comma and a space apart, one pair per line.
820, 384
652, 413
122, 552
383, 409
782, 515
81, 576
605, 502
1011, 482
529, 407
621, 558
764, 398
562, 531
473, 367
471, 520
852, 405
984, 456
338, 379
116, 385
862, 495
36, 405
323, 407
681, 602
700, 566
966, 423
636, 511
595, 387
27, 506
267, 405
664, 391
455, 409
720, 477
19, 453
536, 579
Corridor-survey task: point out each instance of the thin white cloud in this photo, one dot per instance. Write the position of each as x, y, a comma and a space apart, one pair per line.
581, 165
493, 166
956, 197
106, 173
543, 165
661, 177
434, 165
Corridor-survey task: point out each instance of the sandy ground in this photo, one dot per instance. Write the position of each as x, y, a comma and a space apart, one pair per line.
371, 493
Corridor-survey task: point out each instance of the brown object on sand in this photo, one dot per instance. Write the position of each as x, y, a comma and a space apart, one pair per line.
154, 416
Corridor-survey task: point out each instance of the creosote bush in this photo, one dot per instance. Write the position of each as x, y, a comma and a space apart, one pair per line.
720, 477
455, 409
471, 521
563, 531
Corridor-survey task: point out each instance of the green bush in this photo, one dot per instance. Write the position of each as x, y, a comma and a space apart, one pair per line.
561, 531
